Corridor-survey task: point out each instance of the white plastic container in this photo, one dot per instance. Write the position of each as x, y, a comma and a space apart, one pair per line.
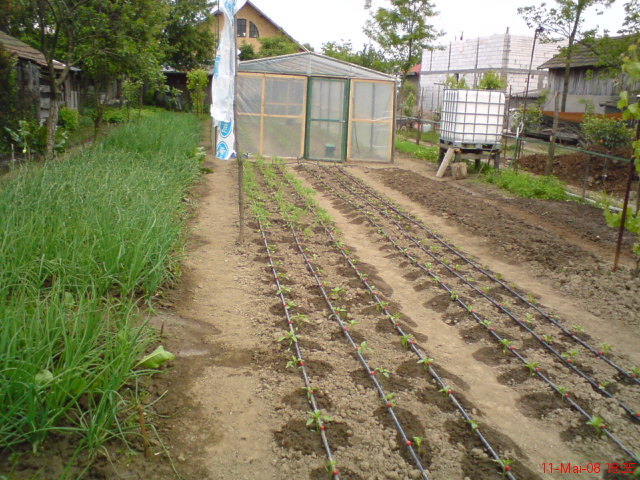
472, 118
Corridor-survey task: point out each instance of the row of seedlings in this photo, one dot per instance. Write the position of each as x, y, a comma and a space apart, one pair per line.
294, 321
602, 352
507, 344
524, 321
407, 339
342, 314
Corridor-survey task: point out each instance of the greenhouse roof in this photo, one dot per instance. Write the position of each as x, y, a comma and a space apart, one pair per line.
311, 64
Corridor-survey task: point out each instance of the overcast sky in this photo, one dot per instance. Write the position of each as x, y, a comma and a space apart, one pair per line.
319, 21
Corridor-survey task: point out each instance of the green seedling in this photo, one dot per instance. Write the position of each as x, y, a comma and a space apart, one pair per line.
290, 337
428, 266
548, 339
454, 296
290, 304
283, 289
295, 362
272, 249
533, 367
434, 248
506, 345
383, 371
391, 399
563, 391
331, 468
470, 308
499, 276
317, 418
406, 340
426, 362
603, 385
418, 441
605, 348
634, 372
282, 275
474, 425
309, 391
485, 289
597, 423
505, 465
575, 329
299, 319
486, 323
352, 322
382, 305
340, 310
528, 318
363, 348
570, 355
457, 267
436, 279
446, 390
396, 316
337, 293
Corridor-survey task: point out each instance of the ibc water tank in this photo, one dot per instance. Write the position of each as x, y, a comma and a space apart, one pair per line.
472, 118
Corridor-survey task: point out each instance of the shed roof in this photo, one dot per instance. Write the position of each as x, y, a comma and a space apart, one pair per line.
22, 50
585, 54
311, 64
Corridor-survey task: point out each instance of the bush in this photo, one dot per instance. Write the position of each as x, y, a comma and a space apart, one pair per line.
607, 132
492, 81
527, 185
114, 115
69, 119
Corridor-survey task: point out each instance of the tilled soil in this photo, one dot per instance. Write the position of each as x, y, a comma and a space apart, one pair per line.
233, 409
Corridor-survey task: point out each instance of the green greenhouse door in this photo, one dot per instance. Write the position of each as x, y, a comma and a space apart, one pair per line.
327, 114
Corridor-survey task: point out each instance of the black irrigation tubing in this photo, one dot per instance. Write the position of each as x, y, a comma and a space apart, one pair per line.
387, 204
345, 330
307, 382
413, 345
634, 415
492, 332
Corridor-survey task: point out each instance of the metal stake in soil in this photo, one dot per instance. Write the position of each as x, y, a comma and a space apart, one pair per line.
632, 168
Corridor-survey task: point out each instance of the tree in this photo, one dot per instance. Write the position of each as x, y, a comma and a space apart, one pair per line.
402, 31
197, 81
368, 57
247, 52
563, 21
277, 45
189, 36
631, 23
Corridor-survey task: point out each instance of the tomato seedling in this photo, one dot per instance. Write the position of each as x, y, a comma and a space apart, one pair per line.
290, 337
533, 367
597, 423
406, 340
383, 371
318, 418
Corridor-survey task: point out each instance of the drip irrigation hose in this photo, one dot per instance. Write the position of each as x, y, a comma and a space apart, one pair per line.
413, 345
345, 330
356, 348
598, 353
307, 382
496, 336
635, 416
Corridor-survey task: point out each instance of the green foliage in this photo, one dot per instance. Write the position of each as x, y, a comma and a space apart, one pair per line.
81, 240
197, 81
31, 138
368, 57
527, 185
532, 118
430, 154
408, 98
608, 132
189, 34
247, 52
454, 82
277, 45
69, 119
115, 115
492, 81
402, 31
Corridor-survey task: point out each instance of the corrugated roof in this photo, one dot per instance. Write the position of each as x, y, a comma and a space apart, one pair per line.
311, 64
21, 49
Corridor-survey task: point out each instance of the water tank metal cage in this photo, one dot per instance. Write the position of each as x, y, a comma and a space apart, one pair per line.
472, 119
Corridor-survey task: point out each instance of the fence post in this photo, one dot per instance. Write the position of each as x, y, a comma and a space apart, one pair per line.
548, 168
587, 161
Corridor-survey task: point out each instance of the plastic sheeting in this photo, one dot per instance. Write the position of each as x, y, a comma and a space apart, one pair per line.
271, 111
372, 126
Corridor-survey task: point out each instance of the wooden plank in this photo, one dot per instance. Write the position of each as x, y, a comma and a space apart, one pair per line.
445, 162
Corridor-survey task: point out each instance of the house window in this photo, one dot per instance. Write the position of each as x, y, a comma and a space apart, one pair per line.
242, 27
253, 30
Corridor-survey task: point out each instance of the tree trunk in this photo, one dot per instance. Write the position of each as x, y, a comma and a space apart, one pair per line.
565, 85
52, 123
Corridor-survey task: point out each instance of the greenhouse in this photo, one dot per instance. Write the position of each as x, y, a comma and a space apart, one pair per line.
311, 106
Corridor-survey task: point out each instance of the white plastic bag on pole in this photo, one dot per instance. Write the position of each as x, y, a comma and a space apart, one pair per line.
223, 83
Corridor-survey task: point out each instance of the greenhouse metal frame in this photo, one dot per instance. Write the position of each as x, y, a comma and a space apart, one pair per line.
307, 105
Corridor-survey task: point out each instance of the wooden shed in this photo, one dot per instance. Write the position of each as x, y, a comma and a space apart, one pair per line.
317, 107
33, 78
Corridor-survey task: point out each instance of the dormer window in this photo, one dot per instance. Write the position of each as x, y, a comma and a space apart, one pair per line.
253, 30
241, 25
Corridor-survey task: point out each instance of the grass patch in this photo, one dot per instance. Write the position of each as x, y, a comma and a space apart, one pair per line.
81, 242
431, 136
527, 185
429, 154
